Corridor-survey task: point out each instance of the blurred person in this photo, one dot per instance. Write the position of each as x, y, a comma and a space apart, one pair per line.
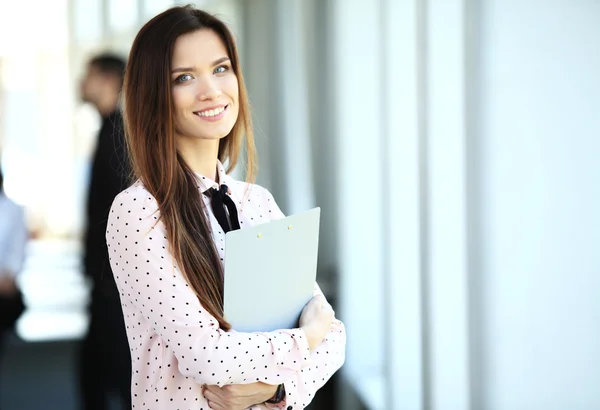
187, 113
105, 362
13, 239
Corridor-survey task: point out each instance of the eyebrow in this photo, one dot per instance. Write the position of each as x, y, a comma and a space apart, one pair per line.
185, 69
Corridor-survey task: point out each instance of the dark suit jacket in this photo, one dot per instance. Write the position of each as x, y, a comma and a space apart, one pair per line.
110, 175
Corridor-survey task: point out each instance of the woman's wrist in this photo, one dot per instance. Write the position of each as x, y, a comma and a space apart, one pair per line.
311, 338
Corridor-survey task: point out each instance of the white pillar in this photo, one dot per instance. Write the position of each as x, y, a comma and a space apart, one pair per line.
358, 110
402, 36
447, 268
292, 93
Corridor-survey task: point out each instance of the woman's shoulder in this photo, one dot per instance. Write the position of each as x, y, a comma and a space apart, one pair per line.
136, 199
6, 202
247, 190
257, 197
10, 207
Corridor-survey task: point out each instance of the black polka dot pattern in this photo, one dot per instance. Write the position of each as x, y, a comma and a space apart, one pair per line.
176, 346
326, 359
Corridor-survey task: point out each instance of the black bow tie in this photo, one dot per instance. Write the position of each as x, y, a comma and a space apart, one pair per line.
219, 201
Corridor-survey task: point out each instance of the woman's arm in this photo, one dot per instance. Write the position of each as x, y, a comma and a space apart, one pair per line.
301, 388
326, 359
149, 279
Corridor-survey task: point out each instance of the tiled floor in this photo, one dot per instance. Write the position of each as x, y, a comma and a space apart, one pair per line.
38, 375
39, 359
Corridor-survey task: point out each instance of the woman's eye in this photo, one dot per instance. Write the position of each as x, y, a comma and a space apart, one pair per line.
221, 69
183, 78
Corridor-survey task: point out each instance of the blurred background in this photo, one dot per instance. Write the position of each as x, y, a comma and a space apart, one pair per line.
452, 146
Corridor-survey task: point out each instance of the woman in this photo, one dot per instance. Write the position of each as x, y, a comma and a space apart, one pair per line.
13, 241
186, 113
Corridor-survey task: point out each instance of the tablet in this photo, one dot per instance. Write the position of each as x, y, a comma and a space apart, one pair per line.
270, 272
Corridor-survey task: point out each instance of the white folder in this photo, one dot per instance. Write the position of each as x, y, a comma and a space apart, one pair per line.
270, 272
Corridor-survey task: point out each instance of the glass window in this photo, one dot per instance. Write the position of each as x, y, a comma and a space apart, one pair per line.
154, 7
122, 14
87, 21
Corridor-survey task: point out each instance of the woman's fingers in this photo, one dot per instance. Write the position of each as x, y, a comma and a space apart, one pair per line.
214, 406
213, 399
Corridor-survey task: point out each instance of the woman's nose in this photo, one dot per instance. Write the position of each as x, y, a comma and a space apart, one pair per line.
209, 91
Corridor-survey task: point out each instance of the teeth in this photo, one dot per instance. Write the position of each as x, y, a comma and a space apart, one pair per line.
211, 113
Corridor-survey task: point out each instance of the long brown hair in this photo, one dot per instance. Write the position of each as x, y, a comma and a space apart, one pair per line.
150, 134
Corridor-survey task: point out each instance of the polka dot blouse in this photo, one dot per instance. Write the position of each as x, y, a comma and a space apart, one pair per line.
176, 346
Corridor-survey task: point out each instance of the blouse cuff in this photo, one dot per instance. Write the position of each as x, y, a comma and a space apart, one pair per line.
293, 357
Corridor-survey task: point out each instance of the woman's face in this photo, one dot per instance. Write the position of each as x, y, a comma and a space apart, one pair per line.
204, 87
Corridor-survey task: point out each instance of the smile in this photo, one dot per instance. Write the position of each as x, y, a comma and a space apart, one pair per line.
213, 114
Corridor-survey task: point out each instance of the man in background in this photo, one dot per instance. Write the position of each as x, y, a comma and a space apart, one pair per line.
105, 365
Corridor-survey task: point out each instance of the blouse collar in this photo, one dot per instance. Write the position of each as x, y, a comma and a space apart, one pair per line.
206, 183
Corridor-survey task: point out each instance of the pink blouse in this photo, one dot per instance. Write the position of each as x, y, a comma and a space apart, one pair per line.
176, 346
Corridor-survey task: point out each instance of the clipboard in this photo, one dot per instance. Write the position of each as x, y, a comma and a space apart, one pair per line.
270, 272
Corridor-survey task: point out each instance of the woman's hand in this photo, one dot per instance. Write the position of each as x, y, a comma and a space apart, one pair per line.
238, 396
316, 320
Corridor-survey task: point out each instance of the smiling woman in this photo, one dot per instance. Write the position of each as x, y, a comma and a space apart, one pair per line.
187, 113
204, 87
